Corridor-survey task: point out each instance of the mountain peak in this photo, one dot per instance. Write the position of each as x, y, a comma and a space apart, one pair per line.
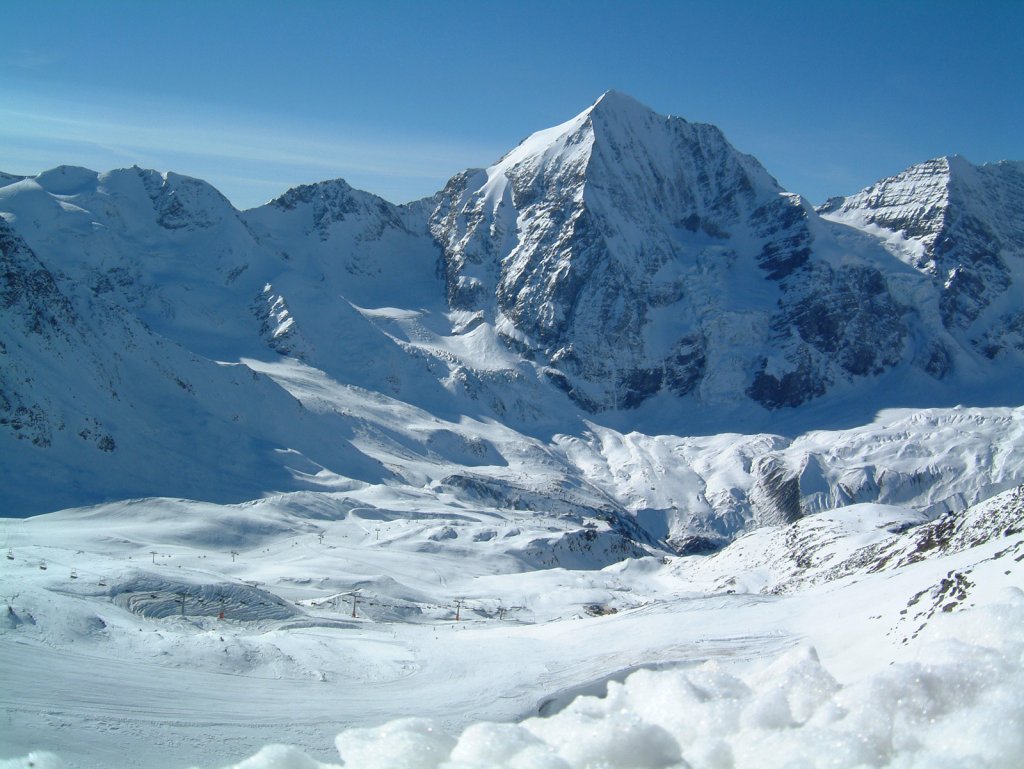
617, 115
66, 180
617, 101
611, 108
306, 193
576, 233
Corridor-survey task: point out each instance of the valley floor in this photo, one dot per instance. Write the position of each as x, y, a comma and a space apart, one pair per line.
102, 668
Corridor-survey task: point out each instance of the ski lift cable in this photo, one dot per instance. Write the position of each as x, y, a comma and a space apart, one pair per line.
79, 569
254, 584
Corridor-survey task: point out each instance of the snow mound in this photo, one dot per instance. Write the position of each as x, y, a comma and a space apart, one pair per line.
957, 701
34, 760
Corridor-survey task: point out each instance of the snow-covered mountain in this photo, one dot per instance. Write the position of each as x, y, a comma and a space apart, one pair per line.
636, 255
622, 270
96, 405
961, 225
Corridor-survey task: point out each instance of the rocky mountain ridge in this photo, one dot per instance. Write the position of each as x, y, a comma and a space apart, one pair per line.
959, 224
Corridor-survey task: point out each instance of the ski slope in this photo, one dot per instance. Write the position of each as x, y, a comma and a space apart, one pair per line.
103, 669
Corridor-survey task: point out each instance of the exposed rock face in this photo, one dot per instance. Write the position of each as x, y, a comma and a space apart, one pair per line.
34, 313
961, 225
277, 324
29, 296
775, 496
835, 322
560, 242
185, 203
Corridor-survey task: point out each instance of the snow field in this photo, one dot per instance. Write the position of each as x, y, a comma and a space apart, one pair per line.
695, 677
961, 703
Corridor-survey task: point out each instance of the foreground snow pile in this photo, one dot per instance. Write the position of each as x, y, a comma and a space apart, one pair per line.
959, 703
956, 700
964, 707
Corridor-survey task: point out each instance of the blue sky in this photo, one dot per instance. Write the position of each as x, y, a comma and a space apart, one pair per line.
395, 97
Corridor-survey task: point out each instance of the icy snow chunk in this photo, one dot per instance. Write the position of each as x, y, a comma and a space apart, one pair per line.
496, 745
801, 680
686, 704
281, 757
610, 740
409, 743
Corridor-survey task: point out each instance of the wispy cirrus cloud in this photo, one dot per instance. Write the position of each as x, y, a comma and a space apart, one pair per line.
245, 155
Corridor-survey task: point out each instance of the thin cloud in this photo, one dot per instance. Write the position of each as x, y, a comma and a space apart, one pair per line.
32, 60
171, 137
